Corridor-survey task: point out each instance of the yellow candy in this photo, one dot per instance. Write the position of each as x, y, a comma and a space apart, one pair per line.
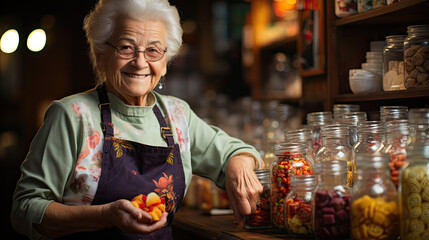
414, 200
425, 215
425, 194
375, 230
425, 182
416, 225
413, 236
424, 235
414, 186
416, 212
379, 218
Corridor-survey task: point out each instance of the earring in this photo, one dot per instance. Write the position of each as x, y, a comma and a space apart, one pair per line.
161, 82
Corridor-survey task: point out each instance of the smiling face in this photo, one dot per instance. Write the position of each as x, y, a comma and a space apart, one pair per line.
132, 79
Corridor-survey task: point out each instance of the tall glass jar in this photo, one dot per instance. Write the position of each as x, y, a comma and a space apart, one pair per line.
371, 138
315, 120
302, 135
374, 209
416, 56
389, 113
340, 109
299, 221
352, 119
336, 146
331, 201
393, 63
290, 160
396, 144
414, 179
261, 217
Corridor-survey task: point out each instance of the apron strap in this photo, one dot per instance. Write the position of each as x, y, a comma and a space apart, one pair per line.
104, 106
165, 130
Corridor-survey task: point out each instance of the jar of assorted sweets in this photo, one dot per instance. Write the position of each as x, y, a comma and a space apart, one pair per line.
302, 135
393, 63
416, 56
340, 109
261, 217
336, 146
331, 201
396, 144
299, 221
315, 120
290, 160
414, 179
374, 209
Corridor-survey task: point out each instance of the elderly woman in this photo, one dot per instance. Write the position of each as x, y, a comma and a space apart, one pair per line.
97, 150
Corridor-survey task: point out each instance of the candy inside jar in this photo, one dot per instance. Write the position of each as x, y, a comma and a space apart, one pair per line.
298, 209
261, 217
290, 160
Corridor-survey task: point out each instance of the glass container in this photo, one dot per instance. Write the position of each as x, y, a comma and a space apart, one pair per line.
290, 160
374, 208
364, 5
389, 113
340, 109
302, 135
352, 120
336, 146
261, 217
315, 120
331, 204
414, 179
416, 56
396, 144
344, 8
299, 222
393, 63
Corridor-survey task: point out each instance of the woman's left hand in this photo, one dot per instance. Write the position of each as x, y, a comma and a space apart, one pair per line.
242, 186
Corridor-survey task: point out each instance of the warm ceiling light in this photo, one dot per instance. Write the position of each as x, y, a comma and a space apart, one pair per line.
36, 40
9, 41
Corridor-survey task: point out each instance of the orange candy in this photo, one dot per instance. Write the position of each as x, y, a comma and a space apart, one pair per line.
152, 204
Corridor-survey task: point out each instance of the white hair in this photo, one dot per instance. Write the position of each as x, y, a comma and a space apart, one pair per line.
99, 24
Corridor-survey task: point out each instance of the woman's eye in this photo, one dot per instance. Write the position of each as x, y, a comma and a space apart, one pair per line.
126, 48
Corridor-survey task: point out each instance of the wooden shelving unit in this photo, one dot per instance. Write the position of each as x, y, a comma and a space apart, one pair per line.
349, 38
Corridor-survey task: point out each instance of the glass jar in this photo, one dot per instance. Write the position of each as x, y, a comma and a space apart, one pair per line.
396, 144
416, 56
352, 120
371, 138
340, 109
315, 120
364, 5
389, 113
344, 8
336, 146
378, 3
414, 179
331, 201
393, 63
302, 135
290, 160
299, 222
374, 210
261, 217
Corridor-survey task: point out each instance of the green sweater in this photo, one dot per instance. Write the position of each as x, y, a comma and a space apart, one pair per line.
63, 163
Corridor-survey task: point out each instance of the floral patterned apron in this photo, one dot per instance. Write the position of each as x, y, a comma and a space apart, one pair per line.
130, 168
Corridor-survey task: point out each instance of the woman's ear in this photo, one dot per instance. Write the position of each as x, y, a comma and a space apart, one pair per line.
100, 62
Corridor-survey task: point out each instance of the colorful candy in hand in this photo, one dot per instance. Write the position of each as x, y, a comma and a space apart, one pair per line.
152, 204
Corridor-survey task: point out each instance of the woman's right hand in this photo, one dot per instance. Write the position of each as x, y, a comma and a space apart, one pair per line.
127, 218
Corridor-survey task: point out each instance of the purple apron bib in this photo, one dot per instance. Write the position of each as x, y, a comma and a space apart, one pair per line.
131, 168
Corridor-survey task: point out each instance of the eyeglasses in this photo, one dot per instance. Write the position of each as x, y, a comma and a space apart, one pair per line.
152, 54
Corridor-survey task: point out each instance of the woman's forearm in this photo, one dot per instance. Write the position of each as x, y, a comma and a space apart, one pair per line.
60, 219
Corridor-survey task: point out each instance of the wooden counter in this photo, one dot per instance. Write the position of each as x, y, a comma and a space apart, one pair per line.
194, 224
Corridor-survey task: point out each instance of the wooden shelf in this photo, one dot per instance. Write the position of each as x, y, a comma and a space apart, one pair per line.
405, 94
414, 10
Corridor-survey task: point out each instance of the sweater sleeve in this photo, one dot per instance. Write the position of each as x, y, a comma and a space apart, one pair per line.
211, 149
45, 170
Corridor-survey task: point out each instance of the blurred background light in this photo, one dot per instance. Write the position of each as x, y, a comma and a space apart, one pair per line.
36, 40
9, 41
